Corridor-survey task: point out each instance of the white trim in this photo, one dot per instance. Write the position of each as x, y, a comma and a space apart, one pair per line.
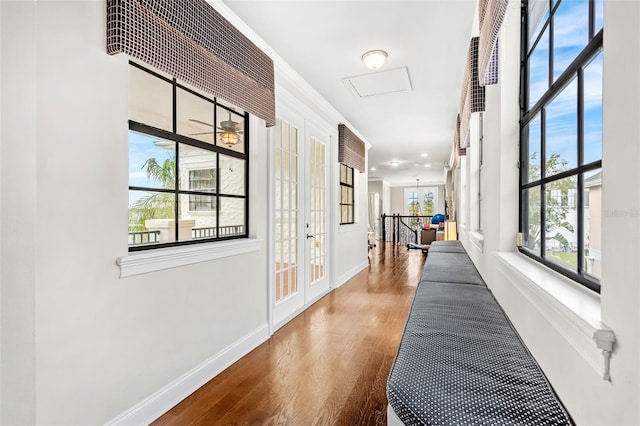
477, 239
346, 228
277, 325
172, 257
351, 273
573, 311
158, 403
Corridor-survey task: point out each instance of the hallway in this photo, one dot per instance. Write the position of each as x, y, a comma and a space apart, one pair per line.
328, 366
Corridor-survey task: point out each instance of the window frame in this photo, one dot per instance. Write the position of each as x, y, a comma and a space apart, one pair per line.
217, 149
480, 170
348, 203
573, 72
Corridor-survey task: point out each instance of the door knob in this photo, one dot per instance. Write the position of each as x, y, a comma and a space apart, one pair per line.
310, 236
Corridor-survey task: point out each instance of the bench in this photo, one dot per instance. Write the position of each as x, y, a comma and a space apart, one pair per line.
460, 360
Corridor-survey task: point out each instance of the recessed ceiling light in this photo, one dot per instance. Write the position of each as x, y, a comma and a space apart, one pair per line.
374, 59
427, 165
373, 169
424, 155
394, 163
416, 164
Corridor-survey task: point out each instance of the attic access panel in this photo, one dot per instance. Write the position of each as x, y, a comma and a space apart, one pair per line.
379, 83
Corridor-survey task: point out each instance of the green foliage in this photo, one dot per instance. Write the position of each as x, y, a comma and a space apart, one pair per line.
556, 211
429, 207
159, 205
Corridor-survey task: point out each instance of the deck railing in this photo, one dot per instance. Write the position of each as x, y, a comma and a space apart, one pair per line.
137, 238
143, 237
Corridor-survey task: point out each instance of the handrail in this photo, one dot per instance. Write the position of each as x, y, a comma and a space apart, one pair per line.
403, 229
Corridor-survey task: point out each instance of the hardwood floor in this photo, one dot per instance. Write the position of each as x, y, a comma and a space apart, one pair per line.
328, 366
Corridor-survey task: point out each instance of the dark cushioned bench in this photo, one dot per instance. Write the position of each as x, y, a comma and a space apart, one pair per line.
460, 361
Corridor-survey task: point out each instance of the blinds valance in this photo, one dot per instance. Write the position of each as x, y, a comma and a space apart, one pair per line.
351, 149
491, 14
192, 42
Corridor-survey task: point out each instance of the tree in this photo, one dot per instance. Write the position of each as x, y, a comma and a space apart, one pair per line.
557, 204
159, 205
429, 208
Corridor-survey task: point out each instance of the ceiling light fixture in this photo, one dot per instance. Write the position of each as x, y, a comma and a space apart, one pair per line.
374, 59
230, 132
373, 169
424, 155
394, 163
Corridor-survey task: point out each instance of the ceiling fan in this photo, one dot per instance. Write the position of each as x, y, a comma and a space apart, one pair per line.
229, 131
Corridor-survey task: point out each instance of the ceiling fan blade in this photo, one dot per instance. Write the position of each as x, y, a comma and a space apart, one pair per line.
202, 133
200, 122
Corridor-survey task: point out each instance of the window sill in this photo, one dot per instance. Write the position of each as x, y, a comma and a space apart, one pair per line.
157, 260
477, 239
573, 310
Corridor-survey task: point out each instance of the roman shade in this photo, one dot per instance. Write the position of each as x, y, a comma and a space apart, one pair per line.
192, 42
456, 139
491, 14
472, 98
351, 148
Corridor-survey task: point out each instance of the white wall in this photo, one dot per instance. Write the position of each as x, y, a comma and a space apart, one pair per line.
351, 240
17, 213
397, 204
79, 344
567, 355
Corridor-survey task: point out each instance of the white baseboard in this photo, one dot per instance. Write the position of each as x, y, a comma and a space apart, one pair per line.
155, 405
351, 273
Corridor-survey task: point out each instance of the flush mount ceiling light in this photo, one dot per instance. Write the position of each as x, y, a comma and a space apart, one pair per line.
394, 163
374, 59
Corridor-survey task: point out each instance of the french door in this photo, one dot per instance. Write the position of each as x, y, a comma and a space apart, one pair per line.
300, 218
316, 217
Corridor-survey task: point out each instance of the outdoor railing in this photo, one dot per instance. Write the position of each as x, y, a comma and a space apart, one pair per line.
143, 237
137, 238
224, 231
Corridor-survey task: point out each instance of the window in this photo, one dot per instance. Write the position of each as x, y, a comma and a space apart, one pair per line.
412, 204
188, 164
561, 136
346, 195
202, 180
428, 203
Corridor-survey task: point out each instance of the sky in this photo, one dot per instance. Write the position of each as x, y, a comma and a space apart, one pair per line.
141, 148
570, 38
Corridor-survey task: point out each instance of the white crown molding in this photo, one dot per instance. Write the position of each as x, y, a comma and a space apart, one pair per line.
152, 407
285, 72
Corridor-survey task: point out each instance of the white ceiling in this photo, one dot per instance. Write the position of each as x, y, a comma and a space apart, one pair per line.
324, 41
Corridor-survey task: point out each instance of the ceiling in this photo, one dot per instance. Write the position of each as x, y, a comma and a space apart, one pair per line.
410, 124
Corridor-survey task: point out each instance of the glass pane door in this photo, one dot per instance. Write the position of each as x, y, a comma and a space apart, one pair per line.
317, 211
286, 211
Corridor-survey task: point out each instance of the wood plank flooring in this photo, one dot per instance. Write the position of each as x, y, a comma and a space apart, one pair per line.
328, 366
